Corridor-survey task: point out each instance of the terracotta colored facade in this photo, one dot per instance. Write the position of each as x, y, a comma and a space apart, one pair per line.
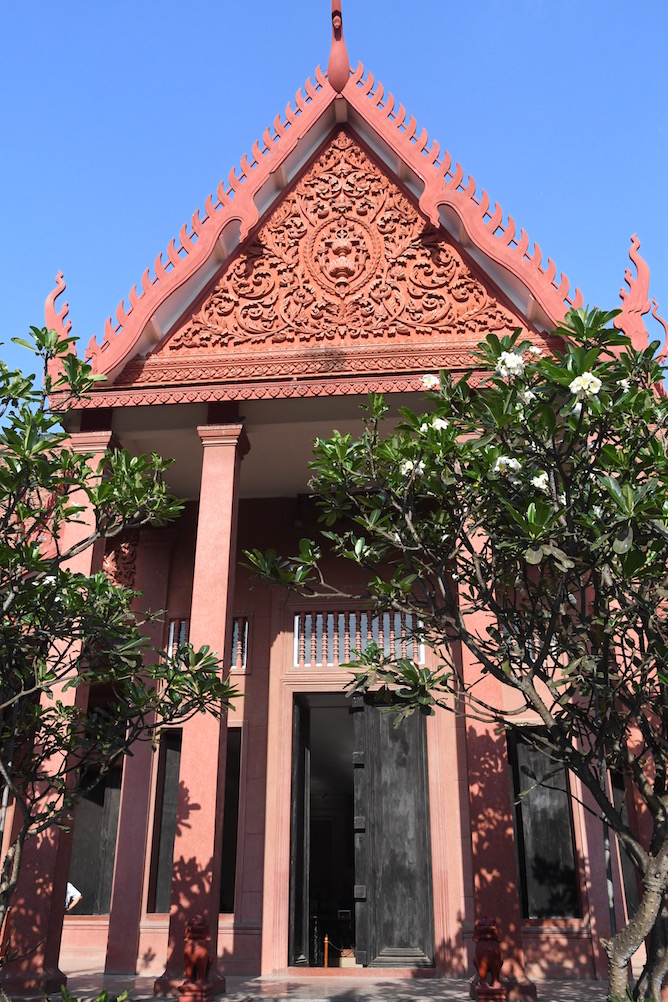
347, 254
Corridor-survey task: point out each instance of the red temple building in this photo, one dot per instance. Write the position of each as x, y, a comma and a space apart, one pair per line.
346, 254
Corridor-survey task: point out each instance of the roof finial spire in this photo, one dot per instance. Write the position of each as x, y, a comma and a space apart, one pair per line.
338, 68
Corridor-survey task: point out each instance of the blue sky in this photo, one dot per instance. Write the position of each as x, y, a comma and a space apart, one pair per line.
118, 119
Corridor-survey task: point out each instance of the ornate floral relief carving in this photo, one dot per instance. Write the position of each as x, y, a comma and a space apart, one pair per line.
120, 562
345, 258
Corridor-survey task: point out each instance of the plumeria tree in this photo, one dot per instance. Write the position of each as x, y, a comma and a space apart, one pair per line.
62, 630
522, 515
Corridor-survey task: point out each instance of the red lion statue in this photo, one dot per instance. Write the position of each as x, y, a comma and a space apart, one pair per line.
487, 957
196, 958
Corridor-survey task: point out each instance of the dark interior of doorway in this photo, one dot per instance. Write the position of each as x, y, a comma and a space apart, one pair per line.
332, 867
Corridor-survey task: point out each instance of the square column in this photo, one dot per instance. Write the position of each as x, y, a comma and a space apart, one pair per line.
199, 824
496, 892
35, 921
133, 842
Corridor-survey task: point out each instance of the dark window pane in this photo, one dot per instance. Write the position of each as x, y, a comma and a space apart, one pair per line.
230, 819
629, 872
164, 824
94, 845
544, 834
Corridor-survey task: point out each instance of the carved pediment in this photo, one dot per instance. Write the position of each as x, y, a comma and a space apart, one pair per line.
344, 275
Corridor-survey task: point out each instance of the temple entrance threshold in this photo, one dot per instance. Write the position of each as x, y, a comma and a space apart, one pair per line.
309, 989
360, 857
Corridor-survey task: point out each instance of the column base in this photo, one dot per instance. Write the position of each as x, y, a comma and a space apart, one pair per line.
171, 984
191, 991
487, 993
31, 984
519, 989
514, 989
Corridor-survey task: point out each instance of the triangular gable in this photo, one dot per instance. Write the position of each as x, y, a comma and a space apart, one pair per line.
345, 276
446, 197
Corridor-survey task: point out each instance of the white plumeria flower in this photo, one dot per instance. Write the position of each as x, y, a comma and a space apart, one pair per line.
509, 365
506, 466
526, 396
625, 385
541, 482
597, 510
431, 382
438, 424
412, 466
585, 386
535, 350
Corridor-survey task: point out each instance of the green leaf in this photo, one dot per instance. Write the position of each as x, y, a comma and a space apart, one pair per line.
623, 540
24, 344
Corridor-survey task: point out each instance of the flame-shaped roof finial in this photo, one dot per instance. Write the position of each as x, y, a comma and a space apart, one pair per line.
635, 301
338, 67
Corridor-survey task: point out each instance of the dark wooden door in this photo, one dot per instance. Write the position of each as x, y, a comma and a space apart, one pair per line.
393, 890
298, 940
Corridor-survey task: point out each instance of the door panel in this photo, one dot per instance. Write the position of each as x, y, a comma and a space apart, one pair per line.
393, 891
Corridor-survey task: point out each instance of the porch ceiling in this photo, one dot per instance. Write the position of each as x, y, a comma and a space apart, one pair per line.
281, 434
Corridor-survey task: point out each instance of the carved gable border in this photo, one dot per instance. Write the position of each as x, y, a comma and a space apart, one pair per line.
344, 280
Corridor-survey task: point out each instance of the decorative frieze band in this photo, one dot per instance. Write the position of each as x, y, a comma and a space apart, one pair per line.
352, 386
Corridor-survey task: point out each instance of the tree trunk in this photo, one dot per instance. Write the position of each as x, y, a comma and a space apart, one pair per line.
658, 975
618, 980
621, 947
9, 878
650, 981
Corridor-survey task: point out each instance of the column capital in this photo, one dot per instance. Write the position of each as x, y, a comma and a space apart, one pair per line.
92, 441
225, 434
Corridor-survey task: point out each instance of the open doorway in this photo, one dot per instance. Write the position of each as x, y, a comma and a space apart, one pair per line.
323, 868
360, 848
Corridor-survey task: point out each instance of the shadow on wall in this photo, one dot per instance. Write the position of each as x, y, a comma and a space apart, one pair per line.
552, 947
185, 808
27, 945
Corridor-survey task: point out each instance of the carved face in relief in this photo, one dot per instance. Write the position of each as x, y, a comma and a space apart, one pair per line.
342, 255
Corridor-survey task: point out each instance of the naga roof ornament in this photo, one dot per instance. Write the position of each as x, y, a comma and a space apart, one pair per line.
636, 303
448, 199
338, 68
57, 319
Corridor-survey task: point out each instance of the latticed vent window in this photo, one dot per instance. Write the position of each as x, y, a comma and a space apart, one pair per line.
332, 638
239, 643
179, 630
